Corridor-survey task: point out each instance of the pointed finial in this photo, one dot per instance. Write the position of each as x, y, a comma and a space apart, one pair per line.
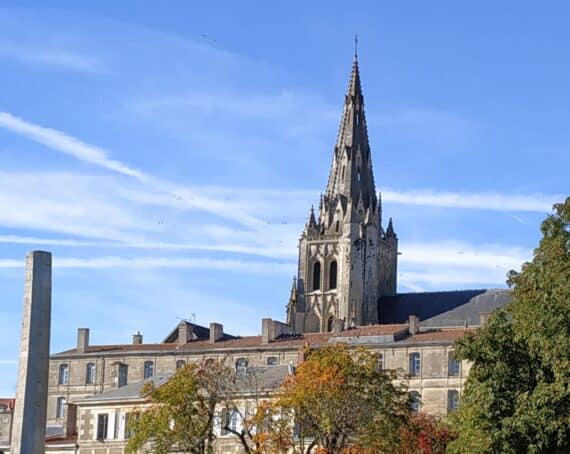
356, 47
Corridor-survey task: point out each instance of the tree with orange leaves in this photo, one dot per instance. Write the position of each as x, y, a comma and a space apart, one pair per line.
341, 402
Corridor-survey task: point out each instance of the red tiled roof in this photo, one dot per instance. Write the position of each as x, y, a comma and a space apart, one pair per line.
58, 439
8, 402
440, 335
314, 339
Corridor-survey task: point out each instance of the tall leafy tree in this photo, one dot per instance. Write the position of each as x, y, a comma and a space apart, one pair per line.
340, 400
517, 396
182, 411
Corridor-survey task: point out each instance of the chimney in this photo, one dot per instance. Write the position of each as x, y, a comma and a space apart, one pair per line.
137, 338
413, 324
272, 329
216, 332
82, 340
184, 332
484, 317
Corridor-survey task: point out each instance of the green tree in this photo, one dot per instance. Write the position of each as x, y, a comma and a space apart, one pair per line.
517, 395
181, 412
340, 400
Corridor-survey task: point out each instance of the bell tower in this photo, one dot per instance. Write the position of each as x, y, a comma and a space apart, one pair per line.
346, 259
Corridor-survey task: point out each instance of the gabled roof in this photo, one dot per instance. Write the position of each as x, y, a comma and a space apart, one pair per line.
442, 309
198, 332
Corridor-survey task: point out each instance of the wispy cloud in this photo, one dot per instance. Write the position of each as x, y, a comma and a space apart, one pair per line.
255, 267
67, 144
64, 143
41, 55
541, 203
461, 254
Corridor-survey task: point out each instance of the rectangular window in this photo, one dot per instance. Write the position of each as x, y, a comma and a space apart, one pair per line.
63, 378
123, 375
415, 365
453, 365
90, 374
60, 407
102, 425
148, 369
129, 418
272, 361
241, 366
452, 400
380, 363
224, 422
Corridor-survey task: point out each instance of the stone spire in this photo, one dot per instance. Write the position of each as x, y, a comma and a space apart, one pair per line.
351, 177
390, 233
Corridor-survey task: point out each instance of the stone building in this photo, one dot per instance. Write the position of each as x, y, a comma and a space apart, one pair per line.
345, 291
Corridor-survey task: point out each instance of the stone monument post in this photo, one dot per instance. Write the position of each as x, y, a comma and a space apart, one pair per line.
29, 425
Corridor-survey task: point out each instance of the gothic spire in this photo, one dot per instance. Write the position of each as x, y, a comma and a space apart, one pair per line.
351, 175
312, 221
390, 233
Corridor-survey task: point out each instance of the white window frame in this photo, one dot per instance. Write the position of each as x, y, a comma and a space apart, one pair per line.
415, 364
90, 373
60, 407
63, 374
148, 369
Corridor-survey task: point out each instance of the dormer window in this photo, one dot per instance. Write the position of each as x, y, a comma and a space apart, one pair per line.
148, 369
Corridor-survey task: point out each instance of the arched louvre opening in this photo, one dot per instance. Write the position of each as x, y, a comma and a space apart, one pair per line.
333, 271
317, 276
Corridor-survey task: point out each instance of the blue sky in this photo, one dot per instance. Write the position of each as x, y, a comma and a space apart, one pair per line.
168, 156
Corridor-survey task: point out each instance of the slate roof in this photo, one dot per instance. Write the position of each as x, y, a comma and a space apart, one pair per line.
259, 378
198, 331
128, 392
442, 309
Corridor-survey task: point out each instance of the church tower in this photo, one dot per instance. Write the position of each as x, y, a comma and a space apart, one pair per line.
346, 259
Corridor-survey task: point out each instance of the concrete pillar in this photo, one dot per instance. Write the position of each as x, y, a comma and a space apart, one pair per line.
29, 426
